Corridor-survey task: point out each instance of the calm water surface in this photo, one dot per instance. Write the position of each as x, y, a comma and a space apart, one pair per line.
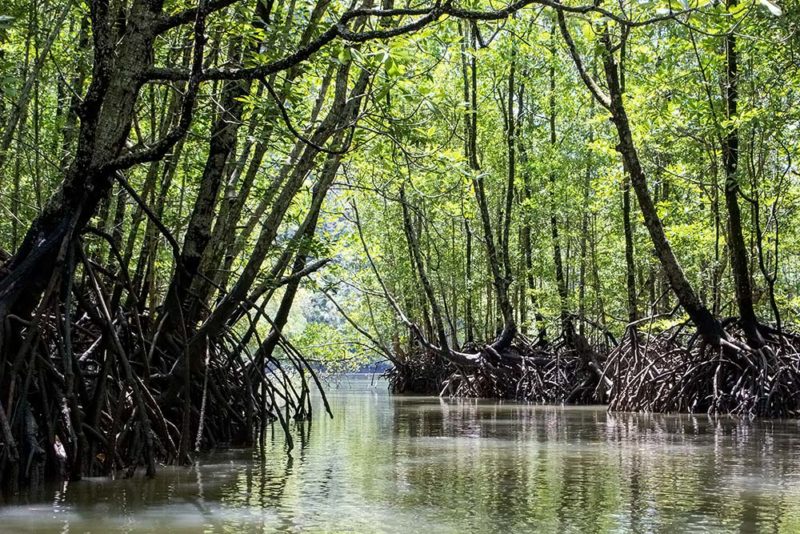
400, 464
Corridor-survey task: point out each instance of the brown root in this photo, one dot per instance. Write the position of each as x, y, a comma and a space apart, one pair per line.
669, 372
88, 389
568, 370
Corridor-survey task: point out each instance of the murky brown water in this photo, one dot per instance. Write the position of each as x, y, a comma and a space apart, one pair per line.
399, 464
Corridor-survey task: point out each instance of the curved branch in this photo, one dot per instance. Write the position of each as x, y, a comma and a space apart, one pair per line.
288, 122
598, 92
426, 16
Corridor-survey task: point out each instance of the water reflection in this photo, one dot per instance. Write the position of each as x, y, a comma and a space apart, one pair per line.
388, 464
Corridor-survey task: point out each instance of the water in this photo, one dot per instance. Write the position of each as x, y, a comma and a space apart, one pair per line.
400, 464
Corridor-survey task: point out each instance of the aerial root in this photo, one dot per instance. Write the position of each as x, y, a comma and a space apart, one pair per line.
669, 372
90, 389
567, 370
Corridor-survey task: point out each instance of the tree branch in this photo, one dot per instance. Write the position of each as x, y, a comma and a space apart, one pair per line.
598, 93
340, 29
161, 147
189, 15
288, 122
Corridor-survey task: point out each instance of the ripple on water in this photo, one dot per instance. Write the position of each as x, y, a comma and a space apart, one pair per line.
422, 464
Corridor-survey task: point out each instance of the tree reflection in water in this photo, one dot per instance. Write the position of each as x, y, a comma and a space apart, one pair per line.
406, 464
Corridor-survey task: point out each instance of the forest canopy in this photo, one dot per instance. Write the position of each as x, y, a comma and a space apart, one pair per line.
206, 204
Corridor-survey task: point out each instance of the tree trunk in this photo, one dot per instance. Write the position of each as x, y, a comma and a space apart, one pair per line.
343, 113
500, 281
198, 231
587, 185
107, 114
469, 319
561, 284
526, 240
330, 168
730, 160
707, 325
630, 279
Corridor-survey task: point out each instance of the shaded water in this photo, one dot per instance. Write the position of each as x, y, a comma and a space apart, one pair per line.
404, 464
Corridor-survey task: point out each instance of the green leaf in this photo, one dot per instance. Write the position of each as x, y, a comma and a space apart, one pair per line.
393, 70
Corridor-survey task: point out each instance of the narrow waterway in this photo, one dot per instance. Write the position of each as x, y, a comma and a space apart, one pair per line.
422, 464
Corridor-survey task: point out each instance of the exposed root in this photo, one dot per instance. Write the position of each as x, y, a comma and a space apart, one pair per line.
90, 389
421, 373
671, 372
566, 371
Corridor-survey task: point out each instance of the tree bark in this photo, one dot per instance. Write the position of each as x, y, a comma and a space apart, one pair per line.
730, 160
708, 326
561, 284
106, 117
